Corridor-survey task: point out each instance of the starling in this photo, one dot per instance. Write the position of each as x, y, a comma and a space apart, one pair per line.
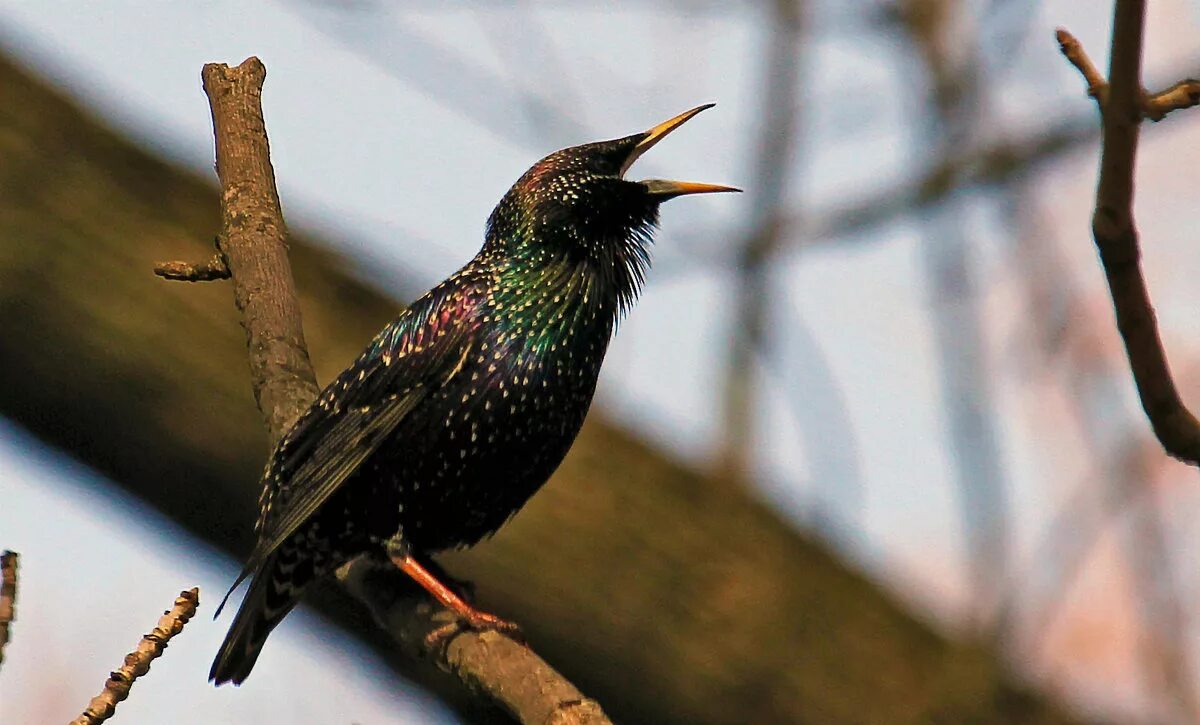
462, 407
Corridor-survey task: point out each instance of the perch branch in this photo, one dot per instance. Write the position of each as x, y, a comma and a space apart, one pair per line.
488, 662
137, 662
253, 240
1123, 104
8, 596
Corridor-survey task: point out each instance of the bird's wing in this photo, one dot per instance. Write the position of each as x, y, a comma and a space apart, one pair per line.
348, 443
421, 350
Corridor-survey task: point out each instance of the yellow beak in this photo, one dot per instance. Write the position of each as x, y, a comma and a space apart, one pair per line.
661, 187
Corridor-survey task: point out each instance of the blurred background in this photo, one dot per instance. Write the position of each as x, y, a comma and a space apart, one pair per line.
867, 450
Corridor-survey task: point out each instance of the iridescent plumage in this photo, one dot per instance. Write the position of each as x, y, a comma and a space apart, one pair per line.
462, 407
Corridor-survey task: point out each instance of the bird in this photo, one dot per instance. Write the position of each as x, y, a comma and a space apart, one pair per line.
461, 408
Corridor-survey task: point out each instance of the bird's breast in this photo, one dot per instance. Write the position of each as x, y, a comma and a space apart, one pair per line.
492, 434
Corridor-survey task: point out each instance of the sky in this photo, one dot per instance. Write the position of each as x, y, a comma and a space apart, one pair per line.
110, 567
422, 119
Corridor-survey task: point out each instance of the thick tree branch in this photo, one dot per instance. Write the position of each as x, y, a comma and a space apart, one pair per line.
8, 596
137, 662
253, 241
506, 671
1123, 104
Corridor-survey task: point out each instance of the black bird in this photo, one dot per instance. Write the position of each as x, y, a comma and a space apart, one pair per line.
462, 407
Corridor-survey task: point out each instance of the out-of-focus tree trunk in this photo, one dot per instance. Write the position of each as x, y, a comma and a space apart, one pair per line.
669, 596
1119, 489
752, 293
942, 37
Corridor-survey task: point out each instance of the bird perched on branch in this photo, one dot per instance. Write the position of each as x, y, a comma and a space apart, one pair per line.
462, 407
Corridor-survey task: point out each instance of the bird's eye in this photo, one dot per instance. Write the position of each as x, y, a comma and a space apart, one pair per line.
603, 165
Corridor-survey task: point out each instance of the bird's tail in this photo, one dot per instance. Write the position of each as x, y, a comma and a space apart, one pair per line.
273, 592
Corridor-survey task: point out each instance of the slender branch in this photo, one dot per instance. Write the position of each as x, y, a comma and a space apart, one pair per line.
137, 662
1074, 52
213, 269
1154, 106
1184, 94
253, 240
1116, 238
1123, 104
8, 596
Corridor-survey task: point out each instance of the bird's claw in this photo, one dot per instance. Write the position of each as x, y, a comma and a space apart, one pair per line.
475, 621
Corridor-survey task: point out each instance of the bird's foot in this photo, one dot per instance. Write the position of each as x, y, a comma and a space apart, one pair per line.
471, 620
466, 616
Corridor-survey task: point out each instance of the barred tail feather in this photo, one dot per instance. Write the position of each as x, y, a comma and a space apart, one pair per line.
273, 592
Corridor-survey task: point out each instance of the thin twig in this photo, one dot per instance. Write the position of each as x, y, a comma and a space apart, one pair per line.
213, 269
1123, 104
253, 241
137, 662
1074, 52
1122, 109
1154, 106
9, 561
1184, 94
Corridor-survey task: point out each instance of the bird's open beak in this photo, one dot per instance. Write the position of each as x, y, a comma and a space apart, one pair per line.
660, 187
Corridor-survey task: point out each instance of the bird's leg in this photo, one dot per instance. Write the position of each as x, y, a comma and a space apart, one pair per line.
464, 588
469, 616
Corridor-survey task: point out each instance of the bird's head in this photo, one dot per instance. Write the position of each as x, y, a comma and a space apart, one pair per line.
577, 201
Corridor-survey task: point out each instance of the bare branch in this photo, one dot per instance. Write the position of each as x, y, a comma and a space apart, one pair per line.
8, 596
254, 244
253, 241
508, 671
1116, 235
137, 662
213, 269
1184, 94
1074, 52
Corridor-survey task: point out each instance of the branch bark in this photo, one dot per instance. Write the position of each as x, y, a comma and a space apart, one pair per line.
215, 268
253, 241
137, 662
1123, 104
8, 597
1156, 106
